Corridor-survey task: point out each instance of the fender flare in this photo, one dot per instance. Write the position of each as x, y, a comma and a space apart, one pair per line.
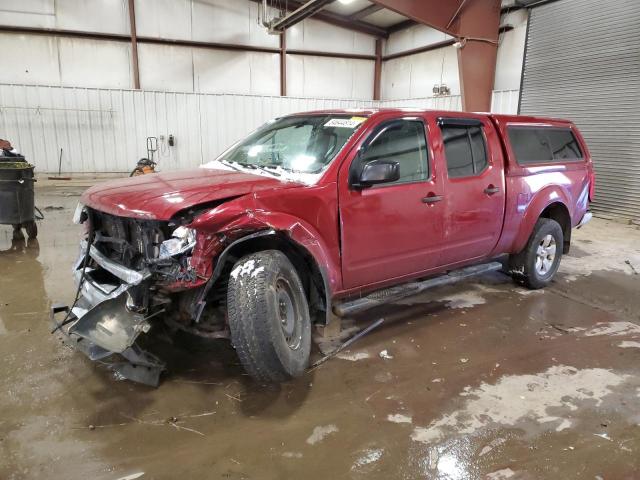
310, 241
296, 230
541, 200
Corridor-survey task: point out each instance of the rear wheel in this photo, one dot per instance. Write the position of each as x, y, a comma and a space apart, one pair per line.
537, 264
269, 317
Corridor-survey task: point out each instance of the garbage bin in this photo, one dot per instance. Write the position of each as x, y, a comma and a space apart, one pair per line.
17, 204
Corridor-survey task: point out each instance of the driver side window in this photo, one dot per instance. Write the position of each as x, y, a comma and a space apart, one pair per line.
401, 141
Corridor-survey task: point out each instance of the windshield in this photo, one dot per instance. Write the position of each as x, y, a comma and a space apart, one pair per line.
297, 144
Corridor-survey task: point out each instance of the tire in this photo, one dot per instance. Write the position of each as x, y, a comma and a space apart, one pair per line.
32, 229
269, 317
534, 267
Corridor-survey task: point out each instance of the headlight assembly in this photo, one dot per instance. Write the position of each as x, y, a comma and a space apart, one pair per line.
182, 240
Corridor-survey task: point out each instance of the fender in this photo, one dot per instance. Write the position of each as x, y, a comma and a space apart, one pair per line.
535, 207
263, 225
236, 220
307, 237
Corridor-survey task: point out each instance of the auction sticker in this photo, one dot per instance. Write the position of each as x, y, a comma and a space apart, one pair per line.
352, 122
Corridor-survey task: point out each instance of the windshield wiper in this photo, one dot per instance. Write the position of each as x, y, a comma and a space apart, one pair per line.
251, 166
229, 164
267, 169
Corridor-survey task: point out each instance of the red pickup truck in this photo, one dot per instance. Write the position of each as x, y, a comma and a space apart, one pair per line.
321, 214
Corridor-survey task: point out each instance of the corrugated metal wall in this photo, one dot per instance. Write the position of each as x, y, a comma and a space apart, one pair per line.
105, 130
451, 102
583, 63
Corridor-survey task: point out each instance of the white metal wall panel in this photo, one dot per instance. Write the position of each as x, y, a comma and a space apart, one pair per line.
164, 19
105, 130
29, 59
106, 16
318, 36
449, 102
414, 76
165, 67
225, 21
413, 37
94, 63
28, 13
583, 63
505, 101
309, 76
225, 71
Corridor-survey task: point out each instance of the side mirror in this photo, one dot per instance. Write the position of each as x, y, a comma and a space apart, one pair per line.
379, 171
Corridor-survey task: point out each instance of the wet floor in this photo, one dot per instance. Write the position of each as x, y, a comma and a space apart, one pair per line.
478, 380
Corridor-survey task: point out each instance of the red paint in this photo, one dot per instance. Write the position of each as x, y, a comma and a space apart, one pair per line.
365, 239
160, 196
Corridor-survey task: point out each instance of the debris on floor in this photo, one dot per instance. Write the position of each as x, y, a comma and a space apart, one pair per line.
384, 354
399, 418
319, 433
353, 357
368, 457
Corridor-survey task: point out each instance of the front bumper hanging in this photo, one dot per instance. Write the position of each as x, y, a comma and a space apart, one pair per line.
103, 327
131, 363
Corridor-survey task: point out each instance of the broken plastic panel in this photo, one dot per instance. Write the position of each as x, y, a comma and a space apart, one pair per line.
111, 325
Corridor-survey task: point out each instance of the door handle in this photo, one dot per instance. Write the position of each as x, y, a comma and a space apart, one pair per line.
432, 199
490, 190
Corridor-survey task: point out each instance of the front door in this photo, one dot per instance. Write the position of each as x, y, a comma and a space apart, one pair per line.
390, 230
474, 187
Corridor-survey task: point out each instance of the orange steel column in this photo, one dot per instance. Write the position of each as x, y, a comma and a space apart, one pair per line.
377, 73
134, 45
478, 28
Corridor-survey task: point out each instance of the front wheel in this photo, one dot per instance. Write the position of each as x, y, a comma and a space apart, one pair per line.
269, 317
537, 264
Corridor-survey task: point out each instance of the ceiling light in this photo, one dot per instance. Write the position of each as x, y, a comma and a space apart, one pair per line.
345, 2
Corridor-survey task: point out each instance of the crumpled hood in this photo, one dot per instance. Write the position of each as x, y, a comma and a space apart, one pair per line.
159, 196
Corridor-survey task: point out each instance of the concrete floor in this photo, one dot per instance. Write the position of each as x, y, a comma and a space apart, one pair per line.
479, 380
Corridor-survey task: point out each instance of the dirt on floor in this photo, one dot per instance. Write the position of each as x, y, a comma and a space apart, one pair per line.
481, 380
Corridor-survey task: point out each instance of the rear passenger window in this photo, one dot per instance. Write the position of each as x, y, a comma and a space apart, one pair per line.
465, 150
543, 145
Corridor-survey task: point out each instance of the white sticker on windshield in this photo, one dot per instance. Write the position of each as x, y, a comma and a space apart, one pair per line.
352, 122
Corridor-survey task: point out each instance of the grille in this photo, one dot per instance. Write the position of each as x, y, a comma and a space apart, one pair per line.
128, 241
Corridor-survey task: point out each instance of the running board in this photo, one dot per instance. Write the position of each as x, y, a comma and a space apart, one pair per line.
387, 295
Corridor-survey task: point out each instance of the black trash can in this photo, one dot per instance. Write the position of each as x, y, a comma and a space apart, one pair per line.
17, 203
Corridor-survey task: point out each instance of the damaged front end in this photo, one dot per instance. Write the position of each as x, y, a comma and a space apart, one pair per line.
131, 273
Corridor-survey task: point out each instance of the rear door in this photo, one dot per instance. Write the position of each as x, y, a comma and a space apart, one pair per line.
391, 230
474, 186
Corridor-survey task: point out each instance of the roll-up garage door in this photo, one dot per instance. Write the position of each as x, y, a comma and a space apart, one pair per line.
582, 62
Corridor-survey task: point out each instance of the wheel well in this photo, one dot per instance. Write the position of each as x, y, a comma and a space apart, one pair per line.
559, 212
304, 263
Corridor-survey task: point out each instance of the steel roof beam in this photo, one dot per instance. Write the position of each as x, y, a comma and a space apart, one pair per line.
340, 20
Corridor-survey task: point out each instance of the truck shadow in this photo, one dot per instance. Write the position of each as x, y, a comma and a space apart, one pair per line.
213, 366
